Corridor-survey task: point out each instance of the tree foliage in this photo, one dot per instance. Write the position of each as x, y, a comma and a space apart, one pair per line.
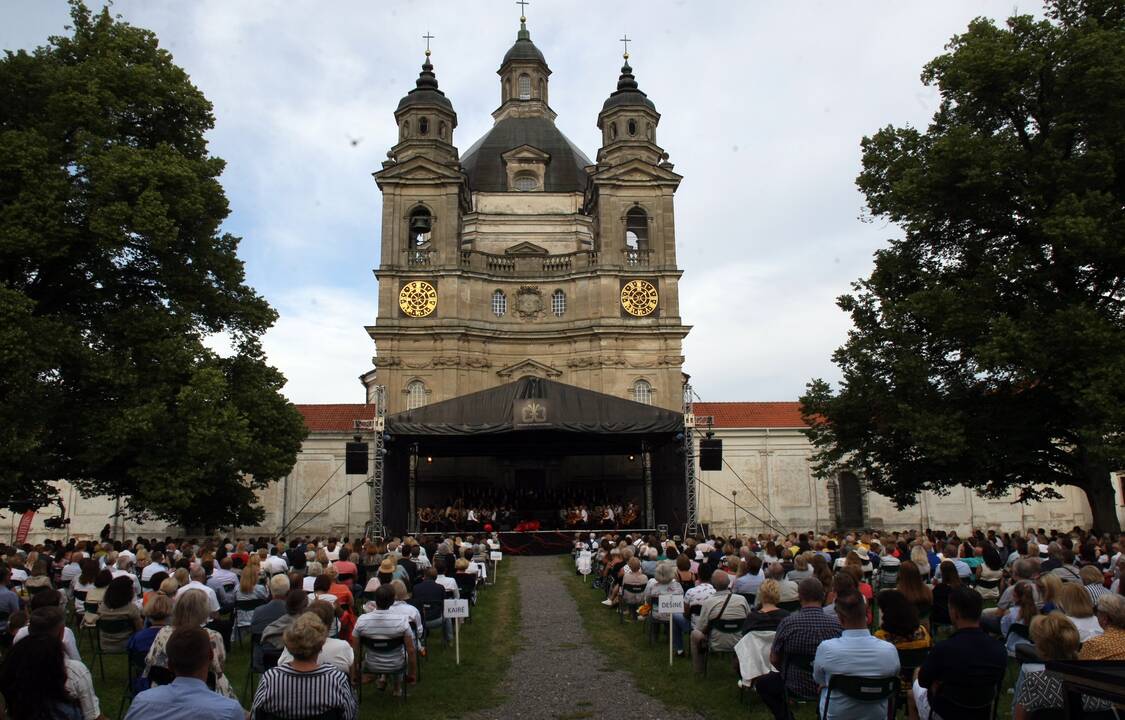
987, 342
113, 270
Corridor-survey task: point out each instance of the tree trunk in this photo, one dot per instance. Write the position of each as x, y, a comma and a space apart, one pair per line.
1103, 507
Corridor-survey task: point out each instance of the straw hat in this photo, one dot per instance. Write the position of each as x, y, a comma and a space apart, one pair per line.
387, 566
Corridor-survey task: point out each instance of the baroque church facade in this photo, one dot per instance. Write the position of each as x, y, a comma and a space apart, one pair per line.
522, 257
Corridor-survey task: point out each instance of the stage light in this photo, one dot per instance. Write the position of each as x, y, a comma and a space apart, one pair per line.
632, 457
429, 458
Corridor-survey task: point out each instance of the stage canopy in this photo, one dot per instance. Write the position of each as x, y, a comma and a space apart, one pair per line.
534, 404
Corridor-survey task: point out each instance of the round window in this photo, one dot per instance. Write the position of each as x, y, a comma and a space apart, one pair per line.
526, 182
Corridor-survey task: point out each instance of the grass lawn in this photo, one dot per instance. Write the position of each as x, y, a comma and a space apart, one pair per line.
716, 696
446, 690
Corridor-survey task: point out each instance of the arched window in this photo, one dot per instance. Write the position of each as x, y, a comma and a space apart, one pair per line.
423, 126
525, 87
642, 392
636, 229
632, 127
415, 394
558, 303
421, 227
542, 89
499, 303
526, 182
405, 129
441, 129
613, 131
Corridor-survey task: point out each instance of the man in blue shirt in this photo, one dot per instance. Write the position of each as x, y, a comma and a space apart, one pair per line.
188, 697
855, 653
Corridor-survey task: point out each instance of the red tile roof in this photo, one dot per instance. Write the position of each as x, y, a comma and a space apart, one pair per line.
335, 418
751, 414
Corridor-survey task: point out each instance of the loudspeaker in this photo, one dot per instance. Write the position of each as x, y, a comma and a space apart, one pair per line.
710, 454
355, 459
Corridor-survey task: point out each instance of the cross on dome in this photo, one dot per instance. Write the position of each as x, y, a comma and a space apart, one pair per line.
625, 39
427, 37
523, 9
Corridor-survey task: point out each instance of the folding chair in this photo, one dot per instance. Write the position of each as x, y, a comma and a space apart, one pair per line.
864, 689
796, 662
79, 602
973, 699
270, 656
326, 715
635, 589
384, 646
729, 627
245, 606
790, 605
433, 616
113, 625
909, 661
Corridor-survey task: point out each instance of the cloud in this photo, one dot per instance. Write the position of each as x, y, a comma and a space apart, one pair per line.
763, 107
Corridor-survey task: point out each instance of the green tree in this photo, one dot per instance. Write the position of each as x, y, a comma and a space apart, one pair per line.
987, 347
113, 271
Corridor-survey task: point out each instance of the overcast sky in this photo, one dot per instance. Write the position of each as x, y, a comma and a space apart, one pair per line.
763, 107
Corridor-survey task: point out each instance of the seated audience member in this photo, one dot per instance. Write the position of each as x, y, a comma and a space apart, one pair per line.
991, 573
1022, 612
382, 624
685, 575
767, 616
94, 597
916, 592
191, 611
342, 591
427, 592
266, 614
801, 569
694, 597
446, 581
1055, 638
221, 579
117, 604
633, 576
158, 612
384, 576
1024, 570
854, 653
750, 576
189, 653
899, 624
1094, 582
249, 589
38, 681
1110, 645
663, 583
1067, 571
274, 634
304, 686
968, 659
1075, 603
799, 634
408, 611
950, 581
722, 605
787, 589
1051, 586
46, 599
50, 621
321, 591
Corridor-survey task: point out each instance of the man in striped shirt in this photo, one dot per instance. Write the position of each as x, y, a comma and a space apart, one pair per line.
382, 623
304, 687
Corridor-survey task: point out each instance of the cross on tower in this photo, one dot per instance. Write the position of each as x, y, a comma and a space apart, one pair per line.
523, 9
625, 39
427, 37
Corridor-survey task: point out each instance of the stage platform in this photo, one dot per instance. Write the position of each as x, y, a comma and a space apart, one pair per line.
551, 542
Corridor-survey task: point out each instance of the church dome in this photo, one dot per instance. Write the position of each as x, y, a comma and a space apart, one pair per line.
627, 92
484, 166
426, 90
523, 49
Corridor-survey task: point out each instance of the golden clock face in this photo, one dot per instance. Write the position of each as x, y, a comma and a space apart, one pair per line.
417, 298
639, 298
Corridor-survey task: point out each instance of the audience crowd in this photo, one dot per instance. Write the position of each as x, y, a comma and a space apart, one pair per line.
322, 618
929, 620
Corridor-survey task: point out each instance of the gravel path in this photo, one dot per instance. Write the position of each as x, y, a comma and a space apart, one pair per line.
558, 674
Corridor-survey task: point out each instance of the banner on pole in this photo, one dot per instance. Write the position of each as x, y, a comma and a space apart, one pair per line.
496, 556
25, 527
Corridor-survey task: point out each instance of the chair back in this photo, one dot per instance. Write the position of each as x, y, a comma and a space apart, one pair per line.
988, 584
863, 689
249, 605
326, 715
1020, 630
270, 656
749, 598
431, 611
115, 625
90, 607
730, 627
696, 609
345, 578
36, 589
159, 675
796, 662
790, 605
381, 645
635, 588
910, 660
228, 588
79, 597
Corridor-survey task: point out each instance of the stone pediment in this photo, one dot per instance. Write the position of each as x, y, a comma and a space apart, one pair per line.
526, 153
526, 248
418, 168
636, 171
529, 367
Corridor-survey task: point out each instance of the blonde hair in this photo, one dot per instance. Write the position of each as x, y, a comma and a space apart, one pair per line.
1051, 586
191, 609
169, 586
1075, 601
250, 575
158, 607
1055, 637
305, 637
769, 592
461, 565
182, 577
